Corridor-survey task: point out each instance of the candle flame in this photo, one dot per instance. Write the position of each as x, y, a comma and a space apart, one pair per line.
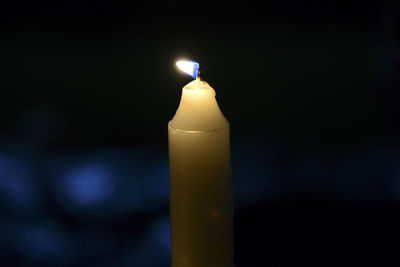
189, 67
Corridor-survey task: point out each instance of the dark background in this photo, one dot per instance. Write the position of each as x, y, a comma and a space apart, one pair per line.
310, 89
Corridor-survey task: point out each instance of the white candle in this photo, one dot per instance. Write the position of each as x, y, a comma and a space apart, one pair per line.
200, 181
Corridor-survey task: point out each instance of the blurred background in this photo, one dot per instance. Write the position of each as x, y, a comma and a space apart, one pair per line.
311, 89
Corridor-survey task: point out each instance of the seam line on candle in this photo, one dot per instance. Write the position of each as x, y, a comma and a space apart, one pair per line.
197, 131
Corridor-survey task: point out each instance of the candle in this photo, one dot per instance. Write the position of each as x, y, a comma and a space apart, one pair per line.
200, 178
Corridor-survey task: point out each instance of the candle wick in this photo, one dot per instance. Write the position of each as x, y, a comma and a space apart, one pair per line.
198, 79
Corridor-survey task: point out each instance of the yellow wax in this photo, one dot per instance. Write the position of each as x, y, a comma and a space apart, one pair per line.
200, 181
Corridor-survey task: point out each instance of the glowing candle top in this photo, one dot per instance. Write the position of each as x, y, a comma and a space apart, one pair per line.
198, 109
189, 67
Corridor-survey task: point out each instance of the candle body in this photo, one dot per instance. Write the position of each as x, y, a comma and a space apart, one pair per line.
200, 181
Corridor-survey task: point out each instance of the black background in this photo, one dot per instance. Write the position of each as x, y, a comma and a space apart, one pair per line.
310, 89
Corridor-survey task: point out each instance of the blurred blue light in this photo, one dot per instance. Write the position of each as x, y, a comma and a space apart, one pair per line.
154, 249
15, 182
44, 242
256, 165
160, 234
89, 184
111, 183
40, 239
156, 185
